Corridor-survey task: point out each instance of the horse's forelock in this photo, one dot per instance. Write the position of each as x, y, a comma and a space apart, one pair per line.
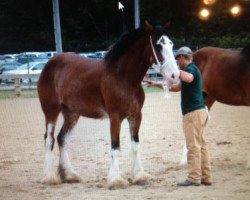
159, 31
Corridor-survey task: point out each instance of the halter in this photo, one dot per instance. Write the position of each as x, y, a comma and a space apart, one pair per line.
158, 67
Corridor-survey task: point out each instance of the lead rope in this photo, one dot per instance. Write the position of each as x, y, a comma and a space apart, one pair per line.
157, 60
159, 68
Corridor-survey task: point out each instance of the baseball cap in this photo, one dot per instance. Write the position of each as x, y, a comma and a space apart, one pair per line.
184, 51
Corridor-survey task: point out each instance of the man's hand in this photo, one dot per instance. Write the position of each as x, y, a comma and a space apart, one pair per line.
175, 87
153, 84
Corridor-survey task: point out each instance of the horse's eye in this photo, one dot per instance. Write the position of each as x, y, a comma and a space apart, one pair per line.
171, 43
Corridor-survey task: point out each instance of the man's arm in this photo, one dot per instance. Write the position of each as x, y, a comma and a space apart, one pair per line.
173, 88
186, 77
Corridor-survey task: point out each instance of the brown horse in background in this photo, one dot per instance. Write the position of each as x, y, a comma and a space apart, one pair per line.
226, 78
226, 75
109, 87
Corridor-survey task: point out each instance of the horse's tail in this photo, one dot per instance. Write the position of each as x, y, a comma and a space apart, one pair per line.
47, 90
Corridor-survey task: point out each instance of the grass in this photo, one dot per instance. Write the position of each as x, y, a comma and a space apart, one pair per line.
151, 89
24, 94
33, 93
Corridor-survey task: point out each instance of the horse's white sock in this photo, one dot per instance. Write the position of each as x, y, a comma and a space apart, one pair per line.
136, 158
114, 168
48, 167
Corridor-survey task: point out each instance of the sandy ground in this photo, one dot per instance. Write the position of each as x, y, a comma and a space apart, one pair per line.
22, 153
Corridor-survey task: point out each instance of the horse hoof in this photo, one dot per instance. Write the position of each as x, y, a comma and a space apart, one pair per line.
72, 178
117, 183
51, 180
142, 178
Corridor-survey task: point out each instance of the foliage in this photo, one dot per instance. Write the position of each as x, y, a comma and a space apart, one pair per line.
95, 24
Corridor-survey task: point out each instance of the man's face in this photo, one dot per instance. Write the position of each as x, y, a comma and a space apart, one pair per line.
180, 61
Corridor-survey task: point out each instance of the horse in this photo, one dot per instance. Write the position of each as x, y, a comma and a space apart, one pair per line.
226, 78
98, 88
226, 75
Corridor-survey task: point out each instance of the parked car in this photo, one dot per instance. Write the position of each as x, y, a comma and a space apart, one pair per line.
33, 57
9, 66
153, 74
10, 57
87, 55
50, 54
100, 54
27, 68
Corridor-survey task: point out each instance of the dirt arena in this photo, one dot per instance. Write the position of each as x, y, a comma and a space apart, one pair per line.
22, 153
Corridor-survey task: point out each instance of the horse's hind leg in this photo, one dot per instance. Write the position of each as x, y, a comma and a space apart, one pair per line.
209, 101
139, 176
65, 169
51, 117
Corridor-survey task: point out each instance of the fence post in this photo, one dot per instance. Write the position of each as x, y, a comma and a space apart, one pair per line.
18, 86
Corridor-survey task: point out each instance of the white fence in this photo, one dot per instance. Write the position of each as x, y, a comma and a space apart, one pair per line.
18, 86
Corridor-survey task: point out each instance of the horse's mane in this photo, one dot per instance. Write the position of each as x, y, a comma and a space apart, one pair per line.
246, 51
124, 43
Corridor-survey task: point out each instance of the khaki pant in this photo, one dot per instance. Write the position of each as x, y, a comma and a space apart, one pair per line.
199, 168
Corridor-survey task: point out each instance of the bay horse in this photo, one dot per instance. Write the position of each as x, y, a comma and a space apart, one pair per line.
226, 78
109, 87
226, 75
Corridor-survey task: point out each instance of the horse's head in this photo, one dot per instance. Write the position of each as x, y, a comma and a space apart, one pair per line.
162, 53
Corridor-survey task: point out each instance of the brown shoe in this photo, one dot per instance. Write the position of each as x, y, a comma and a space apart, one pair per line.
206, 183
188, 183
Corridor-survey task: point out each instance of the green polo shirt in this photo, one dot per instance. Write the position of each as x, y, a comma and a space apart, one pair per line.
191, 93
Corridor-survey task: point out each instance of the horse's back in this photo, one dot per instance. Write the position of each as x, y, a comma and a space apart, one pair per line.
226, 74
70, 61
74, 82
211, 57
62, 67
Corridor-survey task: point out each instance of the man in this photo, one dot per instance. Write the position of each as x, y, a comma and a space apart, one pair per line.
194, 119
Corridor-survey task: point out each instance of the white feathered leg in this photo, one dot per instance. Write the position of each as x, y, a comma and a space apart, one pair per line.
114, 177
139, 175
50, 176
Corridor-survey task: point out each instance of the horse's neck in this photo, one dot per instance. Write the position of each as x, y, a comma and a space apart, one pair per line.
135, 63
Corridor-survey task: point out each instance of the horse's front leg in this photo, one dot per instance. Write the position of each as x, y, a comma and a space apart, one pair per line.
139, 175
114, 177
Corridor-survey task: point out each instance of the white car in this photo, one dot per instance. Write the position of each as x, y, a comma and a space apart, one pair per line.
27, 68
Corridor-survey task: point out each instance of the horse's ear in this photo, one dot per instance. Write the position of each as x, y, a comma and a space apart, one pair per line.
167, 25
148, 26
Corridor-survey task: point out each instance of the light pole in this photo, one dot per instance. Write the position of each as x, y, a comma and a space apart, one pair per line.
137, 13
57, 26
